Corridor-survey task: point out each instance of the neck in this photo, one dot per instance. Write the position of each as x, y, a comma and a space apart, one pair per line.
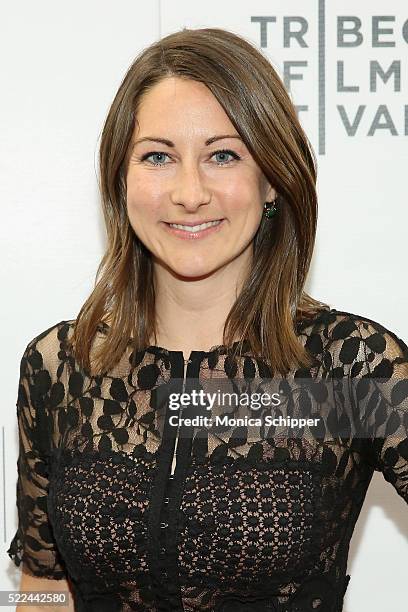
191, 312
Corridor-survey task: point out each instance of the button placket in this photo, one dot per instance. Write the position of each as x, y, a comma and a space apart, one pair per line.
164, 524
167, 498
175, 447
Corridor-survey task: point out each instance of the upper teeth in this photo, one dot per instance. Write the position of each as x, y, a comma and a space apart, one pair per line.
195, 228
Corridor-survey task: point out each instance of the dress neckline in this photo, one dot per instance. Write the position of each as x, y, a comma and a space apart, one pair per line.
216, 348
222, 348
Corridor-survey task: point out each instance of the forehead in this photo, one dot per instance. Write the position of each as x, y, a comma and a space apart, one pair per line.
181, 103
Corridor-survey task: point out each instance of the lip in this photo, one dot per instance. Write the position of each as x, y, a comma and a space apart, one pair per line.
186, 235
191, 223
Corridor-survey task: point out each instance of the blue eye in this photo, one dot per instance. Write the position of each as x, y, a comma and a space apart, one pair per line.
227, 152
152, 154
223, 152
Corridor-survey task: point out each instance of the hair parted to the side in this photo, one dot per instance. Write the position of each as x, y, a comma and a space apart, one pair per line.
272, 299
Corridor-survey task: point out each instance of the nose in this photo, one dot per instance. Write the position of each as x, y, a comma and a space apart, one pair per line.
189, 188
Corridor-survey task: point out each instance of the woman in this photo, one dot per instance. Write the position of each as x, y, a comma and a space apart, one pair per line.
208, 186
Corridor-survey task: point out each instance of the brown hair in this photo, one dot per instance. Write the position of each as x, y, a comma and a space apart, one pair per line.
272, 299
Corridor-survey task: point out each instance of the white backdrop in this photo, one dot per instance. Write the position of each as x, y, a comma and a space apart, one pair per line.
61, 63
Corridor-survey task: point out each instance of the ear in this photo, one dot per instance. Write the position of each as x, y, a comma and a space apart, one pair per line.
270, 193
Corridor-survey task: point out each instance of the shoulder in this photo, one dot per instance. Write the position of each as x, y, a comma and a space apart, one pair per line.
52, 337
44, 350
347, 339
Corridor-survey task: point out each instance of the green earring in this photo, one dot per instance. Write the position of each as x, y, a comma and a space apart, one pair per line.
270, 209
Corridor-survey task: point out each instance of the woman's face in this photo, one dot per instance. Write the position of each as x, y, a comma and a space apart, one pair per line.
188, 180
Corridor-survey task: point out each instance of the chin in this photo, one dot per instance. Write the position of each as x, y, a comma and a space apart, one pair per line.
192, 271
192, 274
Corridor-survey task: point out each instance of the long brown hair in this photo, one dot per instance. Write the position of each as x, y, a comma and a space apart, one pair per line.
272, 299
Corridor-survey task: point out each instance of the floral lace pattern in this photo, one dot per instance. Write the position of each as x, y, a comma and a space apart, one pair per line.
241, 524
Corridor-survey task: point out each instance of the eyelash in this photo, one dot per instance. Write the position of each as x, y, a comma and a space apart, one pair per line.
234, 155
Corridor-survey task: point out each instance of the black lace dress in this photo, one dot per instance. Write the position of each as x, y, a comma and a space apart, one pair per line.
140, 515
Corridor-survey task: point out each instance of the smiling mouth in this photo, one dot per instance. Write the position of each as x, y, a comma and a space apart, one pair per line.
195, 228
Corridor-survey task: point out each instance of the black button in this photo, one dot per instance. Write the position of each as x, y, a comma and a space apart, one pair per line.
166, 500
163, 525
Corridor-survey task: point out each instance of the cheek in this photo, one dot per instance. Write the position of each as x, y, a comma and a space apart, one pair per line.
142, 202
243, 196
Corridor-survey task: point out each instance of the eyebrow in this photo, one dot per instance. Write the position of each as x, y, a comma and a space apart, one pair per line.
169, 143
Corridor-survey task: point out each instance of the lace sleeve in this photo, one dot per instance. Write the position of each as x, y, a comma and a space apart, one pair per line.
33, 543
384, 406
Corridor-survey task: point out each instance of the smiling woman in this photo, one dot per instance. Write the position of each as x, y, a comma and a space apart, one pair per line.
208, 187
202, 129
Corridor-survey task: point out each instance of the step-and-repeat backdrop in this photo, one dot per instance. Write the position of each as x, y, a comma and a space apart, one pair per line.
345, 65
